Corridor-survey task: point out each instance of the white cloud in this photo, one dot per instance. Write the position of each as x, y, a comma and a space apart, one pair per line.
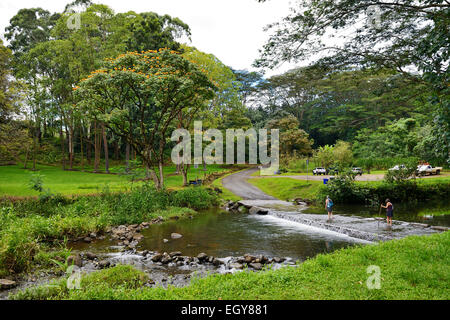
232, 29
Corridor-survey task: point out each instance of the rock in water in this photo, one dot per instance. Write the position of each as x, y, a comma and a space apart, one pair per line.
202, 256
236, 266
260, 211
104, 264
175, 254
176, 235
90, 256
7, 284
256, 266
75, 260
157, 257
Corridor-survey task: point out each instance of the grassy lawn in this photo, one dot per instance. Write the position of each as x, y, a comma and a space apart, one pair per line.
411, 268
14, 180
287, 188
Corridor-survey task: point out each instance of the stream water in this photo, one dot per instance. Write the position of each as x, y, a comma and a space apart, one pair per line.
223, 235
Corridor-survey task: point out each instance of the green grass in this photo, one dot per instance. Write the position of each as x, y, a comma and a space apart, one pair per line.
14, 180
411, 268
287, 188
31, 227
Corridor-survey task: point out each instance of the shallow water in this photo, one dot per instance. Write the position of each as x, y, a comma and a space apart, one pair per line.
431, 213
222, 234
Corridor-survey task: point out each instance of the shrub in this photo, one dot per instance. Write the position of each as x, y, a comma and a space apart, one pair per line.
194, 198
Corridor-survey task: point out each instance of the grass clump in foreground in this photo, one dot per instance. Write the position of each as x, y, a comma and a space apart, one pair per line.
411, 268
31, 229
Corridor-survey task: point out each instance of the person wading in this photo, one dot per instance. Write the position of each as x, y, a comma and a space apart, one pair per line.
389, 211
329, 207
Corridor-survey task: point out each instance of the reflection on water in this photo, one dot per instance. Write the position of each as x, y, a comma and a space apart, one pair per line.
223, 234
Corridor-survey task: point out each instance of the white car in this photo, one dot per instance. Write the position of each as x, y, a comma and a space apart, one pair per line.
319, 171
398, 167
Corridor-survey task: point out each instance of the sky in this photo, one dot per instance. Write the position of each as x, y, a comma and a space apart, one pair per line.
232, 30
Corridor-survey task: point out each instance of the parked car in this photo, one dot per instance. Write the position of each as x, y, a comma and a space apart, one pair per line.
319, 171
357, 171
424, 170
398, 167
332, 170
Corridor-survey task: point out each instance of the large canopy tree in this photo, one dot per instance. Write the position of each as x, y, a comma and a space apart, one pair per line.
409, 36
139, 95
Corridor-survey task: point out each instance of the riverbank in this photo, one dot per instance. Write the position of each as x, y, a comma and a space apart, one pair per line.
410, 268
358, 192
34, 233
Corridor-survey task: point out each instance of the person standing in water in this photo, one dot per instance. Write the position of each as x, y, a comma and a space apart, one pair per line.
329, 207
389, 211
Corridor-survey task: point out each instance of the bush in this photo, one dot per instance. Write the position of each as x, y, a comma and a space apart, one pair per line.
194, 198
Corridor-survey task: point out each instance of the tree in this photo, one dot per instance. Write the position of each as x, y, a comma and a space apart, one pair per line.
325, 156
406, 32
139, 95
13, 134
342, 153
292, 139
403, 35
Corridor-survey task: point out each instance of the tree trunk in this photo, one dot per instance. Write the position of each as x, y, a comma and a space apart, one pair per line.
81, 147
63, 151
161, 175
184, 172
105, 144
26, 158
71, 148
97, 147
34, 150
127, 157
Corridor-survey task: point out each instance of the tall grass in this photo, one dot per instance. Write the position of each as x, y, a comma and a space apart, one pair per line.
26, 226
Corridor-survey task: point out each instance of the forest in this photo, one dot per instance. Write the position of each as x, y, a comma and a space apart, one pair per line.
395, 109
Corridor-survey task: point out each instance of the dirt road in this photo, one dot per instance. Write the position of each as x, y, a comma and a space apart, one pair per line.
237, 183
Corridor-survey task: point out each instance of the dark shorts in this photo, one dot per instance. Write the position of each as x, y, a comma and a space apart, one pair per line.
390, 213
330, 209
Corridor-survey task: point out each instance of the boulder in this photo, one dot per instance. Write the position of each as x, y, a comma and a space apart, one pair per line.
176, 235
236, 265
217, 262
439, 228
165, 240
175, 254
103, 264
157, 257
257, 210
138, 237
248, 258
256, 266
7, 284
202, 256
75, 260
87, 239
90, 256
